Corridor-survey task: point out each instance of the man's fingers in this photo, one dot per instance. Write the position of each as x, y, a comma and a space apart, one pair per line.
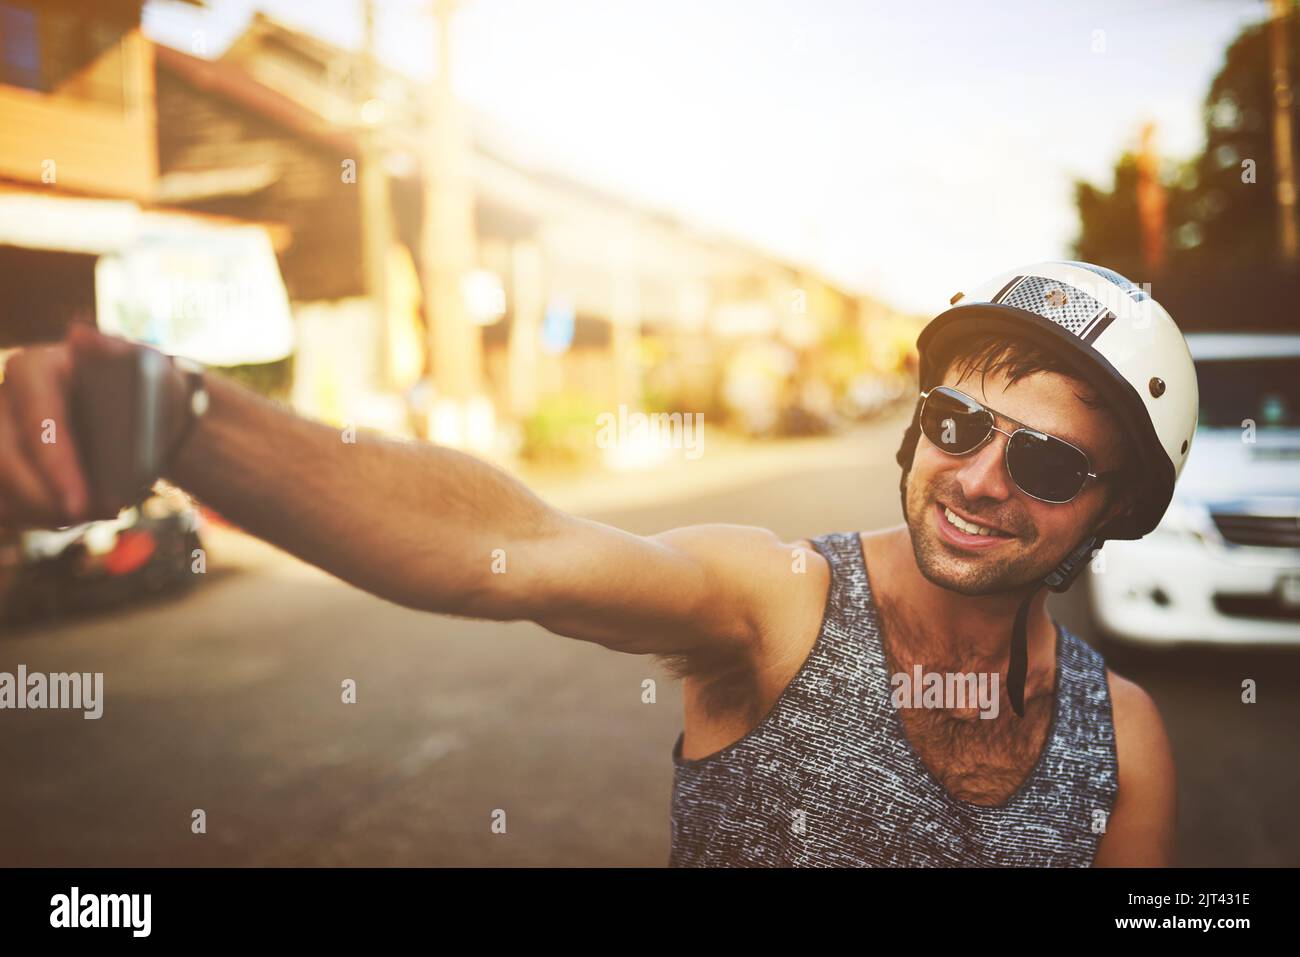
37, 386
42, 479
89, 344
25, 498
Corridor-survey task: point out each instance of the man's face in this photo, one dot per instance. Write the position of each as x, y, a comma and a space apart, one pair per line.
1032, 536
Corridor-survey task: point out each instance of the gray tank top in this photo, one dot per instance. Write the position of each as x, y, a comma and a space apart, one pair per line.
829, 779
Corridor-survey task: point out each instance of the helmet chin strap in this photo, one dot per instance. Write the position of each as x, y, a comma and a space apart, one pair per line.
1058, 580
1019, 664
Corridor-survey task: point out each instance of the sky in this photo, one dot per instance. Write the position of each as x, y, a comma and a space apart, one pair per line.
903, 150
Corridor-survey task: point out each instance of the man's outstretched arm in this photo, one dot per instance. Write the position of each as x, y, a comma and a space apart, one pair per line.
420, 524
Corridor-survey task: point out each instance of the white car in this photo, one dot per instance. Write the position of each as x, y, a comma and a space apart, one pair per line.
1223, 566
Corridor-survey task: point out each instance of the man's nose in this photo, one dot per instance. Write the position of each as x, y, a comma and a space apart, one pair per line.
983, 474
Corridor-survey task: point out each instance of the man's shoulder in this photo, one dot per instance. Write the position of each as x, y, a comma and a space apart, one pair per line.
771, 572
733, 546
1142, 748
784, 586
1133, 712
1137, 719
1141, 827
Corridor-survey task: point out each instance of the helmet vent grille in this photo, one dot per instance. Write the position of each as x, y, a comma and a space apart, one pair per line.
1068, 306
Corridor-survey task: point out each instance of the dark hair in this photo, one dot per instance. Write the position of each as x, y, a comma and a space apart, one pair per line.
993, 354
1015, 357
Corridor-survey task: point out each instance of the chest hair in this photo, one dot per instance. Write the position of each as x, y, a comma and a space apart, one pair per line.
978, 760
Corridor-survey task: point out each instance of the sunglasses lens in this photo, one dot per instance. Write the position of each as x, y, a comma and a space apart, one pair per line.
1046, 467
954, 423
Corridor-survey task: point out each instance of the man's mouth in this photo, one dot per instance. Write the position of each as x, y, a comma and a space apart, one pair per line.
967, 532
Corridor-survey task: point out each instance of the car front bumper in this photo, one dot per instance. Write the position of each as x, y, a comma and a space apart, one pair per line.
1183, 589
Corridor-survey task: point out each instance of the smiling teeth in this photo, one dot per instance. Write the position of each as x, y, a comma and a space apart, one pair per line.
970, 528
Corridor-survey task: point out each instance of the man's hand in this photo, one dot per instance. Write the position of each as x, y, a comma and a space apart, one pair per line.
43, 479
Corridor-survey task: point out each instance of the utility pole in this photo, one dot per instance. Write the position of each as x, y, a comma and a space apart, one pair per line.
376, 214
1151, 202
448, 245
1279, 50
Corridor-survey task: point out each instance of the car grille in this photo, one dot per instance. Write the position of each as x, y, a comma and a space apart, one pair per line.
1255, 606
1269, 531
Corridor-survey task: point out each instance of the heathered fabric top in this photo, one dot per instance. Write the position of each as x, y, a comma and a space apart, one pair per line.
829, 779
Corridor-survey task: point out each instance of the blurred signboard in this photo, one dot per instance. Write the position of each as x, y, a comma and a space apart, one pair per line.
557, 326
211, 293
191, 286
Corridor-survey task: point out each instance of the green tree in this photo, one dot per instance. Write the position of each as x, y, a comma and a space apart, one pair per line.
1217, 221
1108, 220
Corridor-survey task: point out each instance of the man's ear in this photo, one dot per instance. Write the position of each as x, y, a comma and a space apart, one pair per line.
1120, 500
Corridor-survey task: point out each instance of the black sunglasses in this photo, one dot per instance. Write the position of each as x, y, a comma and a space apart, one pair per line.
1042, 466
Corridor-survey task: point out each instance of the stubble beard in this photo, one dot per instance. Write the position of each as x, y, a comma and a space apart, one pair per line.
974, 575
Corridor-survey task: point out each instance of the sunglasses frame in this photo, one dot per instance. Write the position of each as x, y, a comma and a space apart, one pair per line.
1089, 475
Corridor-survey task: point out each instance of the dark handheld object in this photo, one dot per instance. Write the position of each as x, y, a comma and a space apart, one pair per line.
121, 419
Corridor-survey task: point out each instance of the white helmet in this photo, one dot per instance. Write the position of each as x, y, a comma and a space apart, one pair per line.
1114, 336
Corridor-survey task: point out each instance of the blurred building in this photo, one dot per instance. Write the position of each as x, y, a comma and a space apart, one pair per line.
76, 119
220, 207
574, 289
83, 231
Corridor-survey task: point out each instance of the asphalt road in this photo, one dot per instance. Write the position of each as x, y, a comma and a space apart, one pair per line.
228, 699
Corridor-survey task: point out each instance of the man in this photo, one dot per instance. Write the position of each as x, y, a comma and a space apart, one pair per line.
1058, 404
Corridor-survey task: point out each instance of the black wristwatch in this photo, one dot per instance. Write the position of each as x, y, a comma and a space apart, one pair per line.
197, 402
